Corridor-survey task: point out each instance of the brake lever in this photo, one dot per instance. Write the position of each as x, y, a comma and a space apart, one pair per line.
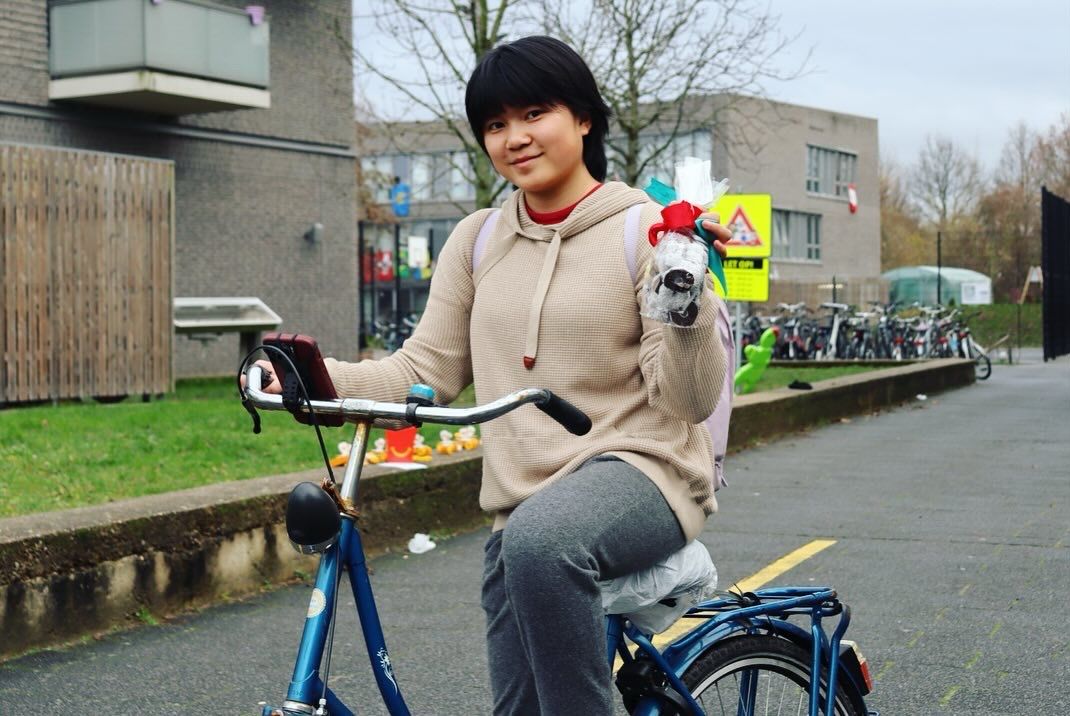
265, 380
248, 405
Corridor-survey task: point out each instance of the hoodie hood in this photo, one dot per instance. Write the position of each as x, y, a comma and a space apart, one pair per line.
611, 199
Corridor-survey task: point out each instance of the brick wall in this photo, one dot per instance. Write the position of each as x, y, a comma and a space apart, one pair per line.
240, 210
24, 51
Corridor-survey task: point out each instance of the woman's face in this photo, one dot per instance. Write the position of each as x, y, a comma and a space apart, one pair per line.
537, 148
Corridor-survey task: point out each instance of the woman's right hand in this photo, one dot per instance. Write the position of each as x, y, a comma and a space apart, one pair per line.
272, 385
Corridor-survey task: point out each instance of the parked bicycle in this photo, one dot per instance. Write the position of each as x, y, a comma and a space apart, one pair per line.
966, 347
883, 332
744, 656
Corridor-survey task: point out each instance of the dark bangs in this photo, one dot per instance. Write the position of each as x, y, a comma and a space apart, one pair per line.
539, 70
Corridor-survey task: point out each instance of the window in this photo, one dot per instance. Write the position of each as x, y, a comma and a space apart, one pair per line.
461, 186
698, 143
379, 173
829, 171
796, 235
422, 174
441, 176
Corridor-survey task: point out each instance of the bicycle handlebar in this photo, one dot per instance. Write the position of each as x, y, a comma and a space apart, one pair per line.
571, 418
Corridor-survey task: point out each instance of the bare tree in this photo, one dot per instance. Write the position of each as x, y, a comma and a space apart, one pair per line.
902, 241
1053, 150
947, 181
424, 51
668, 68
1019, 162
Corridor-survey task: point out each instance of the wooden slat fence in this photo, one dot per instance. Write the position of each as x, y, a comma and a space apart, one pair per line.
86, 255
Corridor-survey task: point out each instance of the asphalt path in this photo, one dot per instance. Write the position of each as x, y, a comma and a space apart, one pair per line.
951, 518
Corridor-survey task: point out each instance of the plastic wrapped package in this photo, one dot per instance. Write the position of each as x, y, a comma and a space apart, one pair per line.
671, 295
655, 598
682, 249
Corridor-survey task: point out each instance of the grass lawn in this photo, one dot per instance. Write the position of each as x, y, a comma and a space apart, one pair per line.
1000, 319
77, 454
781, 376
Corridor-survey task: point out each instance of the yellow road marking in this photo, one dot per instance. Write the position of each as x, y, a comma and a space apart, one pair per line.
940, 614
917, 636
946, 698
996, 628
973, 659
887, 665
755, 581
966, 588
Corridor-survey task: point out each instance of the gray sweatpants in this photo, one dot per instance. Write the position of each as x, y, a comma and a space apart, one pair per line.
546, 638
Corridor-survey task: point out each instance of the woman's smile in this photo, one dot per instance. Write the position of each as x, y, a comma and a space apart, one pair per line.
526, 159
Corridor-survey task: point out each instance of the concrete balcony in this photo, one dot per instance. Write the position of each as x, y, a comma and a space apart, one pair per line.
162, 56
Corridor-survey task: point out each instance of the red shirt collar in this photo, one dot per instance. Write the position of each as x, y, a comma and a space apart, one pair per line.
559, 215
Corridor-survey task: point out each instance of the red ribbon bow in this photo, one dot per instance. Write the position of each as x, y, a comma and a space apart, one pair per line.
679, 217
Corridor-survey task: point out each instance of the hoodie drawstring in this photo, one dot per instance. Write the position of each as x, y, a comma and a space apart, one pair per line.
531, 346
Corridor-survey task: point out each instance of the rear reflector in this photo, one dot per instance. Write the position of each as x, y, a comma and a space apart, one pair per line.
863, 665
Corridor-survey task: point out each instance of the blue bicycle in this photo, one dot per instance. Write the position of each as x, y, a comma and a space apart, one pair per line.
745, 656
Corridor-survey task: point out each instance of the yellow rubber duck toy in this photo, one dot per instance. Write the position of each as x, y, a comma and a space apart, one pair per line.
378, 454
342, 457
445, 446
466, 438
420, 451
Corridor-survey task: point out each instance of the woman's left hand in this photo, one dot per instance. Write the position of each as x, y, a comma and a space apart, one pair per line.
721, 235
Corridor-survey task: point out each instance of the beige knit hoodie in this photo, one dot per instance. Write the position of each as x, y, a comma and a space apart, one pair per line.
562, 294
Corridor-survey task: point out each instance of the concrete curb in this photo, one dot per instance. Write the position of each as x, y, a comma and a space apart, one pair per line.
75, 572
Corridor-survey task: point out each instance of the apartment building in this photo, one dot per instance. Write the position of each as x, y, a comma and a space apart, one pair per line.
806, 158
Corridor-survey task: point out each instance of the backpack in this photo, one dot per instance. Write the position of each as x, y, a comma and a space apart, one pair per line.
717, 423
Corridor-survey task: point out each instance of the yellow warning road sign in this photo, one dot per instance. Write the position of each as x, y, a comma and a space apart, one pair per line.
746, 269
750, 217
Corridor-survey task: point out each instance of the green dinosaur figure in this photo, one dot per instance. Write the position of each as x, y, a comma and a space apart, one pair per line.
758, 357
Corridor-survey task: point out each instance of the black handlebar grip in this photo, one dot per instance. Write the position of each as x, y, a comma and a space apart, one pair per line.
572, 418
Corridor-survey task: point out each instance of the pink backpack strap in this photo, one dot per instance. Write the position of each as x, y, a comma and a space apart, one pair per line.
718, 422
631, 237
481, 239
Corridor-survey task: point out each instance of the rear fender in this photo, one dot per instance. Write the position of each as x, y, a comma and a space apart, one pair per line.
682, 659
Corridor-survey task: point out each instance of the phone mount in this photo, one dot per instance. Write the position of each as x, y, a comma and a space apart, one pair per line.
291, 392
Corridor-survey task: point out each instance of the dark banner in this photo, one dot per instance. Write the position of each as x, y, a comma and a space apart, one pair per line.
1055, 263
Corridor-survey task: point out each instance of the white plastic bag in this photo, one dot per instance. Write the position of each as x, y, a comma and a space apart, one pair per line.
421, 543
686, 577
694, 183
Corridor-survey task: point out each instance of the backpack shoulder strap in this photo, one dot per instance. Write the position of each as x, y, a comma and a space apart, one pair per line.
631, 237
481, 239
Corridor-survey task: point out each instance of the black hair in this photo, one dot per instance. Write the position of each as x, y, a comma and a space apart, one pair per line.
539, 70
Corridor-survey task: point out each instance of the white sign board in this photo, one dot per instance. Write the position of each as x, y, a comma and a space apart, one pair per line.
976, 293
419, 256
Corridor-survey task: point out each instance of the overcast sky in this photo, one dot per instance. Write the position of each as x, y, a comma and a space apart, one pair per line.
969, 69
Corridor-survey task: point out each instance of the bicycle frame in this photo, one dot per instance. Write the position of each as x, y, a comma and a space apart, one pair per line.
306, 688
308, 693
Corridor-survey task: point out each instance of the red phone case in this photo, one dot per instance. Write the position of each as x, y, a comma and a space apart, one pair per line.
305, 354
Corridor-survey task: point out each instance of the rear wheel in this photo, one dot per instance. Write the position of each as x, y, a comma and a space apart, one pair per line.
982, 366
759, 674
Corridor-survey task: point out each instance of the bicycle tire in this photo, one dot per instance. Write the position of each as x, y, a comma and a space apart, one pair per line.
982, 365
783, 675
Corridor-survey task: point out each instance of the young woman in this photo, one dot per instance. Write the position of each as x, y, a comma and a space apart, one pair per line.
552, 305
